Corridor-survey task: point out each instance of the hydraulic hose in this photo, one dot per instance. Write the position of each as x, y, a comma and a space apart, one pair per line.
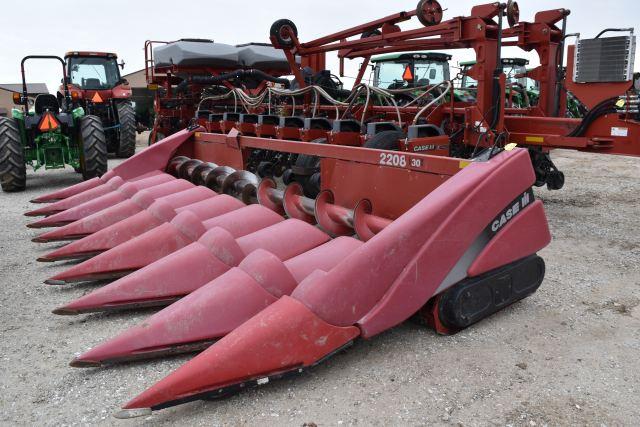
605, 107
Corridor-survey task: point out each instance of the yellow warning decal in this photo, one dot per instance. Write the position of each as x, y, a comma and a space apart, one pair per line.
464, 163
510, 147
198, 134
534, 139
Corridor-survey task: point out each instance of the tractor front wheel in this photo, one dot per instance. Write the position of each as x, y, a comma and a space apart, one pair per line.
127, 116
13, 170
94, 147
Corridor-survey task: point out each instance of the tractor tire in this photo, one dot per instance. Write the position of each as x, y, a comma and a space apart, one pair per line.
94, 147
159, 137
277, 31
13, 170
386, 140
127, 144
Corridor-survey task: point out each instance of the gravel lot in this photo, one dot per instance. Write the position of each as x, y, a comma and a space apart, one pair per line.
567, 355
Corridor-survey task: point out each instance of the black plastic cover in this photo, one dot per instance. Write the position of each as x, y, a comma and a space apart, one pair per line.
476, 298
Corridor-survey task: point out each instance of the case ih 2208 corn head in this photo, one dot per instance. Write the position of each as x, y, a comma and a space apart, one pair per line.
269, 281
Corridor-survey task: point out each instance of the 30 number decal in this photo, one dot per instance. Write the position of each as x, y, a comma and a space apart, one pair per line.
396, 160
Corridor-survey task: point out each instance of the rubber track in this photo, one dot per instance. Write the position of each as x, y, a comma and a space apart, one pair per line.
127, 145
94, 146
13, 171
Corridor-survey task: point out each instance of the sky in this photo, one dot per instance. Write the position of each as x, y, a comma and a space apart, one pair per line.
127, 24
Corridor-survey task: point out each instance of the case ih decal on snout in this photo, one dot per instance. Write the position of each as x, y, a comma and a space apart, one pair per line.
510, 212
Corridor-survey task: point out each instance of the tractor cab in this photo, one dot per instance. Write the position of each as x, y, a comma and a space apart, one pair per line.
514, 68
413, 69
522, 92
93, 71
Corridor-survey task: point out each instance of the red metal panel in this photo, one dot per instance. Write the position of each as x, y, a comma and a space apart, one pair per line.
525, 235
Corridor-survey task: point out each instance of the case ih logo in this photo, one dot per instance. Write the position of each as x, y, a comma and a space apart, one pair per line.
512, 210
419, 148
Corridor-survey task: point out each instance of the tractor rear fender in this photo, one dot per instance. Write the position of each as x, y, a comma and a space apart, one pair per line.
121, 91
433, 245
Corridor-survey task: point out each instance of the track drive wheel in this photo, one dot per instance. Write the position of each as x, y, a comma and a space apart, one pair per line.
281, 31
94, 147
13, 170
429, 12
386, 140
127, 143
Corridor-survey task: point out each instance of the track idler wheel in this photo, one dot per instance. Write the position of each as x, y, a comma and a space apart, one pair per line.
283, 32
429, 12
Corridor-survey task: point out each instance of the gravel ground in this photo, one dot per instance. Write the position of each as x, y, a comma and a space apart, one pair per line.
567, 355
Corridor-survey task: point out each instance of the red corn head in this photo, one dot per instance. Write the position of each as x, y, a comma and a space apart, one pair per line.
162, 241
157, 214
186, 270
84, 186
126, 192
69, 191
142, 200
446, 240
218, 307
115, 185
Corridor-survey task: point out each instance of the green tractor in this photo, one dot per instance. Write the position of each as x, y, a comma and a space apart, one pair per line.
521, 91
51, 135
414, 69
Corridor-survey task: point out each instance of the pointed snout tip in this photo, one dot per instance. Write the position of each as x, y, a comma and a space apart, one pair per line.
54, 282
64, 311
80, 363
126, 414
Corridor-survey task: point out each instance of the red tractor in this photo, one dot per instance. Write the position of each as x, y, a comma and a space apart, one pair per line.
96, 85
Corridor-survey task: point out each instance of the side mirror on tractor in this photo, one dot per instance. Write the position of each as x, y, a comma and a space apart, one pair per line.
121, 64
